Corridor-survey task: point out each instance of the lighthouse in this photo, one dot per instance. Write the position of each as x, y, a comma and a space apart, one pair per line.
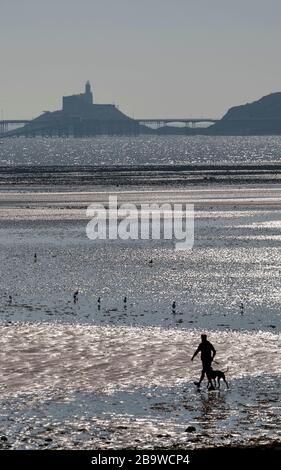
88, 95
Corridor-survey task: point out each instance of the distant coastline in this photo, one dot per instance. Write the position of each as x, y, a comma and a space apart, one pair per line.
262, 117
80, 117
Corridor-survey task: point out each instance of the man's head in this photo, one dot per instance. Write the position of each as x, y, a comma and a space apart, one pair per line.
203, 338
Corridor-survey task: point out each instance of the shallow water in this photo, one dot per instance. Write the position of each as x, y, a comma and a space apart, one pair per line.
235, 259
106, 359
115, 374
112, 387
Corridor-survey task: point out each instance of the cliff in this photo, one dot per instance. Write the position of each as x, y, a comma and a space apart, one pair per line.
258, 118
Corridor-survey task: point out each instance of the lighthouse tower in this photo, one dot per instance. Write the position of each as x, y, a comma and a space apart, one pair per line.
88, 95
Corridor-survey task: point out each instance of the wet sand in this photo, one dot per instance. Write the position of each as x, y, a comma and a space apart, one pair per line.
245, 196
80, 376
120, 175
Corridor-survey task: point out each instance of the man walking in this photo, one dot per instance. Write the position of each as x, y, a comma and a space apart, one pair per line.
208, 353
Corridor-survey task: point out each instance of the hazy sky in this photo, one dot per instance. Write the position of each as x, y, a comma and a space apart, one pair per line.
154, 58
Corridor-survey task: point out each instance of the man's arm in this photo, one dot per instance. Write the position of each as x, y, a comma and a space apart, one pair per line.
214, 352
196, 352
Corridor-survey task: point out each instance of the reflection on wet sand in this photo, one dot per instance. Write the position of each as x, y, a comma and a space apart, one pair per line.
213, 407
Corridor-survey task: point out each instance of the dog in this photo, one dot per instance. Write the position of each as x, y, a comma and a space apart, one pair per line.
216, 376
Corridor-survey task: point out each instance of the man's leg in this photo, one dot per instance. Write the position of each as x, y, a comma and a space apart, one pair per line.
208, 373
201, 378
207, 365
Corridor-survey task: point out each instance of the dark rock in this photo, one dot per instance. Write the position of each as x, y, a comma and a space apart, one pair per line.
190, 429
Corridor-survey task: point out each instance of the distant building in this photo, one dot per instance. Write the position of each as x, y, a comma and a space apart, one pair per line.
80, 117
88, 93
76, 104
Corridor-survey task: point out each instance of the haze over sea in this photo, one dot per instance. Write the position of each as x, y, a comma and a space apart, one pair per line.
114, 374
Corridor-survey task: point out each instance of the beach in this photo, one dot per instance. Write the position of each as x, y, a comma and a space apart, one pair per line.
93, 375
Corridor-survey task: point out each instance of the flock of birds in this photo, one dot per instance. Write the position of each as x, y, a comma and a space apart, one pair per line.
76, 293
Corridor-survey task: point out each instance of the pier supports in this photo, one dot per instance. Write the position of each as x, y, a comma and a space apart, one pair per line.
3, 127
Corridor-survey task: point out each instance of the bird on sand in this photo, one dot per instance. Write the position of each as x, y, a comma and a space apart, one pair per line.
75, 295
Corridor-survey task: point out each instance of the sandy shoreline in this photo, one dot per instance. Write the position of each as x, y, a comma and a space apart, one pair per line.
242, 196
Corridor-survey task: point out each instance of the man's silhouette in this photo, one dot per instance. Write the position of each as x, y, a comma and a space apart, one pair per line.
208, 353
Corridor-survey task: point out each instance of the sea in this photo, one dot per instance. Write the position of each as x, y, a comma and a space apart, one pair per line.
140, 150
